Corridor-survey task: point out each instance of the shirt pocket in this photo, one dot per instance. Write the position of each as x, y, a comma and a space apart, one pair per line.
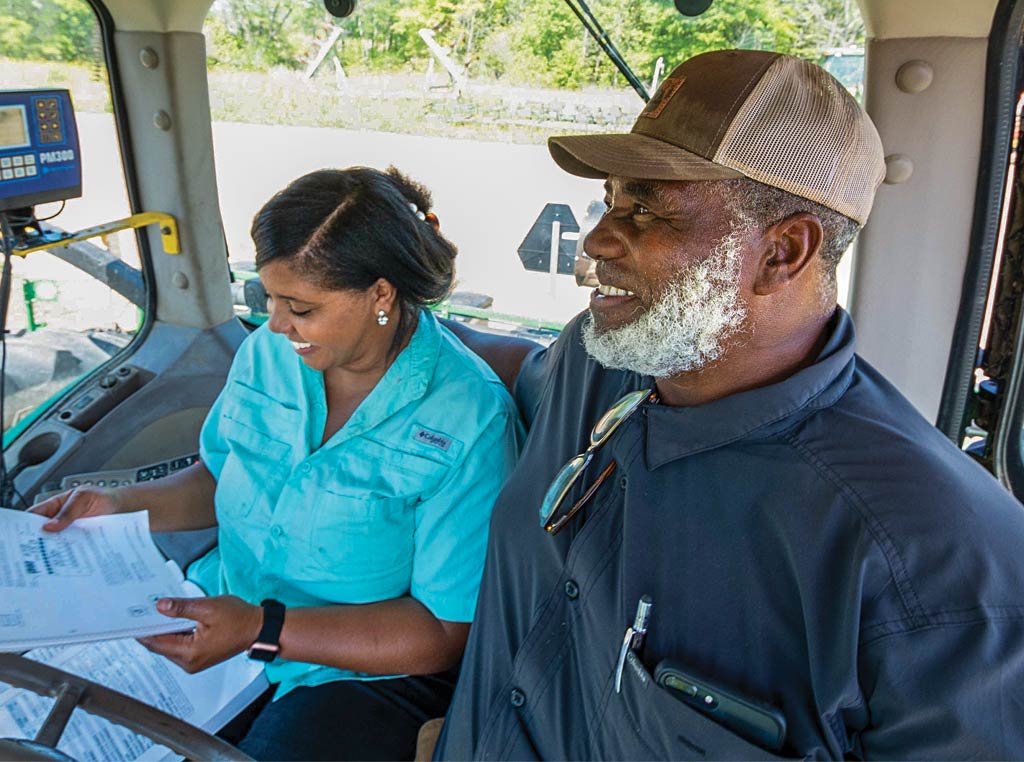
645, 722
363, 543
258, 430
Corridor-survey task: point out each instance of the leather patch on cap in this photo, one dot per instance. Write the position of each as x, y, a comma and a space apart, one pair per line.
662, 96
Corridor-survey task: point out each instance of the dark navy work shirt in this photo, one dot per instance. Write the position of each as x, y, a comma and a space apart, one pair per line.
815, 545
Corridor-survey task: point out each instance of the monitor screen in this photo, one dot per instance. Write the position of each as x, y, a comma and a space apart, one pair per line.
13, 127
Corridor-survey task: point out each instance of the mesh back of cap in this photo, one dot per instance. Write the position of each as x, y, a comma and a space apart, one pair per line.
801, 131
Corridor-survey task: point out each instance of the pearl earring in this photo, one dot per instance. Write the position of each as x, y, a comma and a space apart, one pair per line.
382, 317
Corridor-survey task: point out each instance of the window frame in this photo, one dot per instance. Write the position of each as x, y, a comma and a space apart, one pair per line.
961, 399
107, 30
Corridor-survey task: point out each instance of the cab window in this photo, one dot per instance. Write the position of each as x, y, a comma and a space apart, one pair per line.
462, 97
72, 308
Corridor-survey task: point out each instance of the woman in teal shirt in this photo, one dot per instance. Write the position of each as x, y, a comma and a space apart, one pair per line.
350, 463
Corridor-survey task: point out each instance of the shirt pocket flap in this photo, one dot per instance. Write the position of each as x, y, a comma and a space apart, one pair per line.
258, 422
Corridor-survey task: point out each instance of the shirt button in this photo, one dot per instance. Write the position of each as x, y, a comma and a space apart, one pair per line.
276, 530
572, 590
622, 483
518, 698
306, 468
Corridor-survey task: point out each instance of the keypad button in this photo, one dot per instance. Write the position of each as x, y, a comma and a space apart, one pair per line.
517, 698
5, 162
30, 159
7, 174
18, 161
19, 171
31, 171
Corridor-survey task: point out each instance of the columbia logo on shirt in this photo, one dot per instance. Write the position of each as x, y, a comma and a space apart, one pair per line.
432, 438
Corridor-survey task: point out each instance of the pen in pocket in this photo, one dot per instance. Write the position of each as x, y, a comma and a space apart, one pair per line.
633, 640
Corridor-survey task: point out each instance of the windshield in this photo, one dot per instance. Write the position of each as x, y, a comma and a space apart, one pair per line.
462, 97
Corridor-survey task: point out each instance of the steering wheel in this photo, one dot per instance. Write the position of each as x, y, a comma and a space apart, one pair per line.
72, 691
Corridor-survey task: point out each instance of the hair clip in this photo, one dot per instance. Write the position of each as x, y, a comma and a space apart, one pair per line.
428, 217
416, 210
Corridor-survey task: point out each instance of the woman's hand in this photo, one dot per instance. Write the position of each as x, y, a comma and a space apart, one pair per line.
79, 503
181, 501
225, 625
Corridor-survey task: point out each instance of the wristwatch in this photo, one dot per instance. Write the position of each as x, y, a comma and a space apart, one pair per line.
268, 642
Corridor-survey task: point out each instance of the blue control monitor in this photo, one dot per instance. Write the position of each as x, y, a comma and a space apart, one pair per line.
39, 156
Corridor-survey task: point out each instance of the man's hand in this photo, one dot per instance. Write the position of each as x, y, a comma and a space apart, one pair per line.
225, 625
78, 503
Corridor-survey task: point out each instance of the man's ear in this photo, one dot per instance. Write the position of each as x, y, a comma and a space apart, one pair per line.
790, 245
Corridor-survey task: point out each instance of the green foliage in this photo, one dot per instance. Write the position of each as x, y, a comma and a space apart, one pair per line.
541, 42
54, 30
825, 26
731, 24
260, 34
535, 42
14, 36
371, 39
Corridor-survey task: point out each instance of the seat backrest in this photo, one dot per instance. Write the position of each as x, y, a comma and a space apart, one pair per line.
505, 354
426, 740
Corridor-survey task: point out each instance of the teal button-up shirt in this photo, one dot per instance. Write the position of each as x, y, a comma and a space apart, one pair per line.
397, 502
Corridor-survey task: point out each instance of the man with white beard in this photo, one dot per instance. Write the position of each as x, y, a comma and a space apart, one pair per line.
687, 325
756, 548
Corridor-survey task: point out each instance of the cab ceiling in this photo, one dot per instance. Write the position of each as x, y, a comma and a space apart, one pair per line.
159, 15
883, 19
894, 19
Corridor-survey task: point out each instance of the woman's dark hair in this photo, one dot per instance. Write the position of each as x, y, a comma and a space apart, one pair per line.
345, 228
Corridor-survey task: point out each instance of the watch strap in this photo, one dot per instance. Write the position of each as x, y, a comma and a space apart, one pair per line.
268, 642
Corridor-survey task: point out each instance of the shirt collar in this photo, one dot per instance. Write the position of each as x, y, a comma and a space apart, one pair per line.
676, 432
404, 382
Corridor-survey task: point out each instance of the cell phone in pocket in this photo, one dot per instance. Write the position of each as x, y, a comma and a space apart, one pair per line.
759, 723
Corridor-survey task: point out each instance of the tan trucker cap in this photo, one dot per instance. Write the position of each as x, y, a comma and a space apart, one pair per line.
745, 113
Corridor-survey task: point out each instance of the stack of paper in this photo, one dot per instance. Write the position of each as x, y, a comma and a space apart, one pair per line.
98, 579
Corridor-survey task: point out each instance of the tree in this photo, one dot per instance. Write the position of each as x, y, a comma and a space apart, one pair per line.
56, 30
259, 34
530, 41
825, 25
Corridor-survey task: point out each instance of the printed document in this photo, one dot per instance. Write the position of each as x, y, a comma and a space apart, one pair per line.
208, 699
99, 579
